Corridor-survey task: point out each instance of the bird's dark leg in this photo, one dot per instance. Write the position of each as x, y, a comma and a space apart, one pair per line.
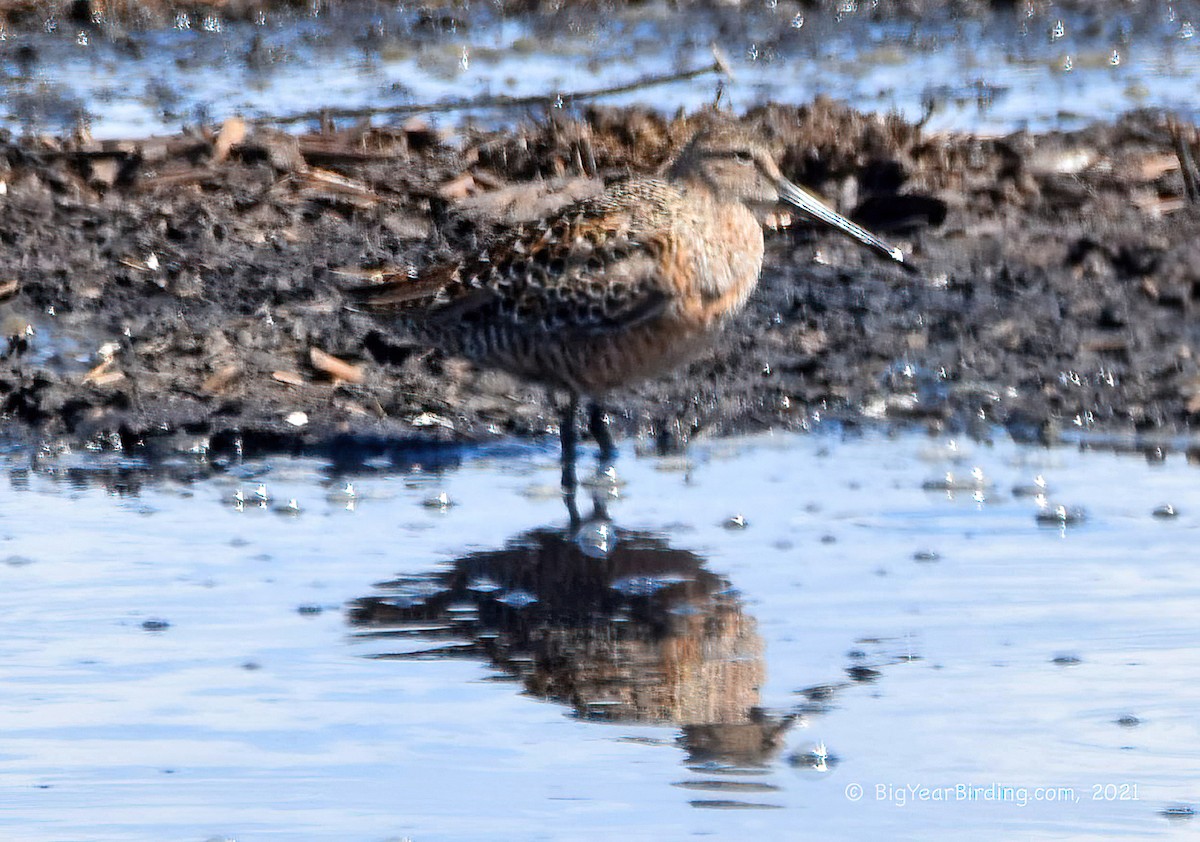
566, 432
598, 427
573, 518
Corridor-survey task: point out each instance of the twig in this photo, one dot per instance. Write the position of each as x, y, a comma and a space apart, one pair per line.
719, 65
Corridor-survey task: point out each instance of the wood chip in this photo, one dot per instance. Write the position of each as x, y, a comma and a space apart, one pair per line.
333, 187
334, 367
233, 132
220, 380
354, 408
110, 377
458, 188
104, 375
1153, 166
98, 371
192, 175
291, 378
328, 178
150, 264
1154, 205
105, 172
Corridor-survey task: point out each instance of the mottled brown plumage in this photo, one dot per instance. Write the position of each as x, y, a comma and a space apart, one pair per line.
620, 287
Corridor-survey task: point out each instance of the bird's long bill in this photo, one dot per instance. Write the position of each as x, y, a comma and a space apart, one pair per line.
818, 210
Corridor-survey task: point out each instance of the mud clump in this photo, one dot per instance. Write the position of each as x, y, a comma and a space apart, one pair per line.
193, 284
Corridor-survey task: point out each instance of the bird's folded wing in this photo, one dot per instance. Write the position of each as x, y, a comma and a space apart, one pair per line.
587, 273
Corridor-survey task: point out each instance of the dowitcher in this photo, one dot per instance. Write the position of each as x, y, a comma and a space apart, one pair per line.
616, 288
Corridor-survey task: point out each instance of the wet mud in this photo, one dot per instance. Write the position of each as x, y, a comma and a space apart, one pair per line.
193, 286
453, 13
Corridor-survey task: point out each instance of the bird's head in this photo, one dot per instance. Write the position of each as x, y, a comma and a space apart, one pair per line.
734, 165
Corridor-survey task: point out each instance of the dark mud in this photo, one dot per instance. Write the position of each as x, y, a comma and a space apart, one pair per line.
191, 285
447, 13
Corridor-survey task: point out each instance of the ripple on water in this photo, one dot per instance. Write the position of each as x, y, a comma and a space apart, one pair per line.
308, 672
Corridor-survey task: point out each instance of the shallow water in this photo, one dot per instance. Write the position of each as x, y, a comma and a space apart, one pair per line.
997, 74
382, 662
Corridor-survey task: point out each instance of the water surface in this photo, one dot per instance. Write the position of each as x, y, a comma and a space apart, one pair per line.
818, 631
997, 73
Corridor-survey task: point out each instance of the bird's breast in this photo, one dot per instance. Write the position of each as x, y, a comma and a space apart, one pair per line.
714, 264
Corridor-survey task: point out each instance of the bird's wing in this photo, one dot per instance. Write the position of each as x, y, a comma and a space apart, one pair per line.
597, 267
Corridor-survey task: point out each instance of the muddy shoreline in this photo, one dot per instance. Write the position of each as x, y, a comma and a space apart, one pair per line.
191, 285
35, 14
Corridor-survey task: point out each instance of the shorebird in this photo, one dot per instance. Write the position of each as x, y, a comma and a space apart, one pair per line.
620, 287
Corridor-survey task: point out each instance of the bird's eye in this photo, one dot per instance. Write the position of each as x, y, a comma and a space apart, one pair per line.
743, 155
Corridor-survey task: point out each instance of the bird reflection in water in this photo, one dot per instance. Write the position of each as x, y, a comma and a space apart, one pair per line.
616, 624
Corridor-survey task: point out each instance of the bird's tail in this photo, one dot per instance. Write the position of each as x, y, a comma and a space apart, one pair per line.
394, 290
